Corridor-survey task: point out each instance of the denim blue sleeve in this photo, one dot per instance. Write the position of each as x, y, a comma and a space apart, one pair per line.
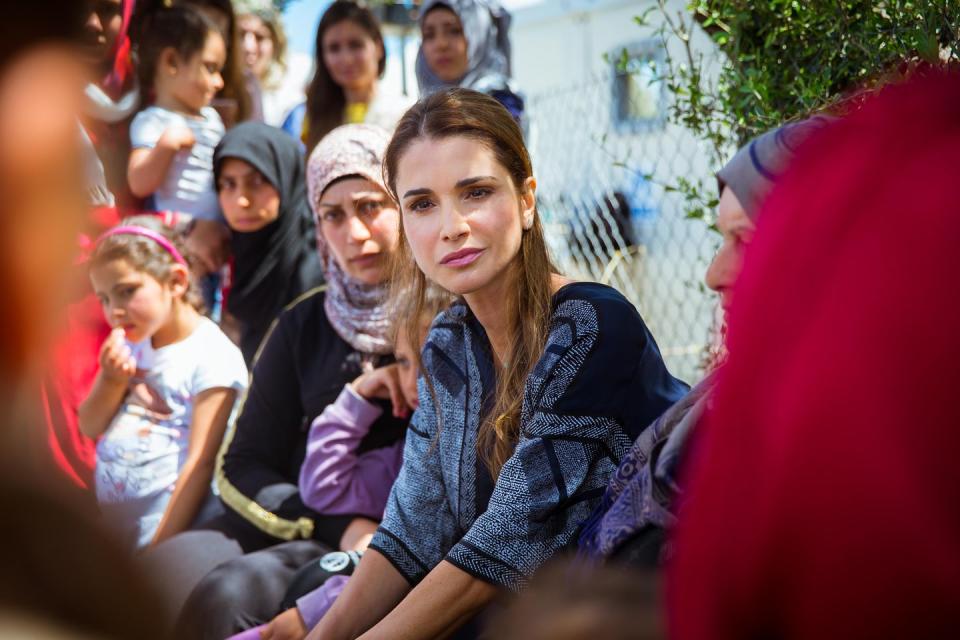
418, 526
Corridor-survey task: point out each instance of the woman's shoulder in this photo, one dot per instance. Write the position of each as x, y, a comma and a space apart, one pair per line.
305, 311
598, 318
300, 333
448, 325
610, 307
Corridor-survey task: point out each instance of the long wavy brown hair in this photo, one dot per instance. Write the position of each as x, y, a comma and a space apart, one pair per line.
468, 114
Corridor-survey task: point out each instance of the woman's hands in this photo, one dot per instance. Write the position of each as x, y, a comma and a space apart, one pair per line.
383, 383
288, 625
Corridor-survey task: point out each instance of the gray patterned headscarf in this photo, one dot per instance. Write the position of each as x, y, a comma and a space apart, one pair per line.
357, 311
485, 25
750, 174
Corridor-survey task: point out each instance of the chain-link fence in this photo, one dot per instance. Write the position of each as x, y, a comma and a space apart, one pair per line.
602, 156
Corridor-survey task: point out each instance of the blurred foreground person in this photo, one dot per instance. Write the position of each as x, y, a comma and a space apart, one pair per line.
825, 500
61, 578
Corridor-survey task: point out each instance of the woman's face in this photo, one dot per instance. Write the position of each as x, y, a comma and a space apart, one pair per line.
737, 230
462, 214
257, 45
101, 29
351, 56
444, 45
361, 226
248, 200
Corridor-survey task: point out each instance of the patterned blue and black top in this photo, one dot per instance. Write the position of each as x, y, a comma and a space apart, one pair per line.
599, 382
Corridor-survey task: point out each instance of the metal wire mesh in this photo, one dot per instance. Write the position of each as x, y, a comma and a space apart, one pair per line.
609, 218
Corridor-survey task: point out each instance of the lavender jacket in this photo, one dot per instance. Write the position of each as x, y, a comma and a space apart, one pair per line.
334, 479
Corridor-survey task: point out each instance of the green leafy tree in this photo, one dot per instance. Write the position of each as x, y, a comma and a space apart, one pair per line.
785, 59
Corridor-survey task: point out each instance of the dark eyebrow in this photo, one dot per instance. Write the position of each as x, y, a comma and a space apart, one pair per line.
466, 182
417, 192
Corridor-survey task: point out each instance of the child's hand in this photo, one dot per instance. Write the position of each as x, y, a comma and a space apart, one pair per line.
383, 383
116, 361
288, 625
176, 138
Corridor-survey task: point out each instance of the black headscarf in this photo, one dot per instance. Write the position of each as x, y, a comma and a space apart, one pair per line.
276, 264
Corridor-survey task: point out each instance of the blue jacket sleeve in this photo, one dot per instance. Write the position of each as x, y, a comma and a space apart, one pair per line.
418, 525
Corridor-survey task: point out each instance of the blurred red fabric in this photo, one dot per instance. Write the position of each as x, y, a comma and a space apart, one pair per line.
824, 489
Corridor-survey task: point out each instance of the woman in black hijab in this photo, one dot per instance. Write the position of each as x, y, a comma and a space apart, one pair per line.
259, 174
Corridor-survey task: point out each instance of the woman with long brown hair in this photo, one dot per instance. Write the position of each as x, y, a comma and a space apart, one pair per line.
350, 60
533, 385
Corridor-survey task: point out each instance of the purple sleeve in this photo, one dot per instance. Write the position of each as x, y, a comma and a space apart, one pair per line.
315, 604
249, 634
333, 478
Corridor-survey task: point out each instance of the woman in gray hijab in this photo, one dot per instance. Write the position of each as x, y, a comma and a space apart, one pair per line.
639, 504
465, 43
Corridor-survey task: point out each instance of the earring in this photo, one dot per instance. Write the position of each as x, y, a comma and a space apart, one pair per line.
528, 222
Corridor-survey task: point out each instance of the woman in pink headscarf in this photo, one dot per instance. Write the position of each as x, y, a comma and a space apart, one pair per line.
824, 493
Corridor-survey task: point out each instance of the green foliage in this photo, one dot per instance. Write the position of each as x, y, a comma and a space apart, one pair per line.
784, 59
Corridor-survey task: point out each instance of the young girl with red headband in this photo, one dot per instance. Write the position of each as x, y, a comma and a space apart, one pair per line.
168, 381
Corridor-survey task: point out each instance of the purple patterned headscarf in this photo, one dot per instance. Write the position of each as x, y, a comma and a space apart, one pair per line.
357, 311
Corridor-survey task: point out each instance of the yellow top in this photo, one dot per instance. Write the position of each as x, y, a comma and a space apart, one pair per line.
355, 113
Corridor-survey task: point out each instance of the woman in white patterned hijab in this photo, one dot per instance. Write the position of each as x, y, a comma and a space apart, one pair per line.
357, 232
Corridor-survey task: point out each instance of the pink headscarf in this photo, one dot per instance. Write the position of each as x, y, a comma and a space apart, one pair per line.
116, 82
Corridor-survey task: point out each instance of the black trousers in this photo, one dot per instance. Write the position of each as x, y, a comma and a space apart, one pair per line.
244, 592
224, 575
